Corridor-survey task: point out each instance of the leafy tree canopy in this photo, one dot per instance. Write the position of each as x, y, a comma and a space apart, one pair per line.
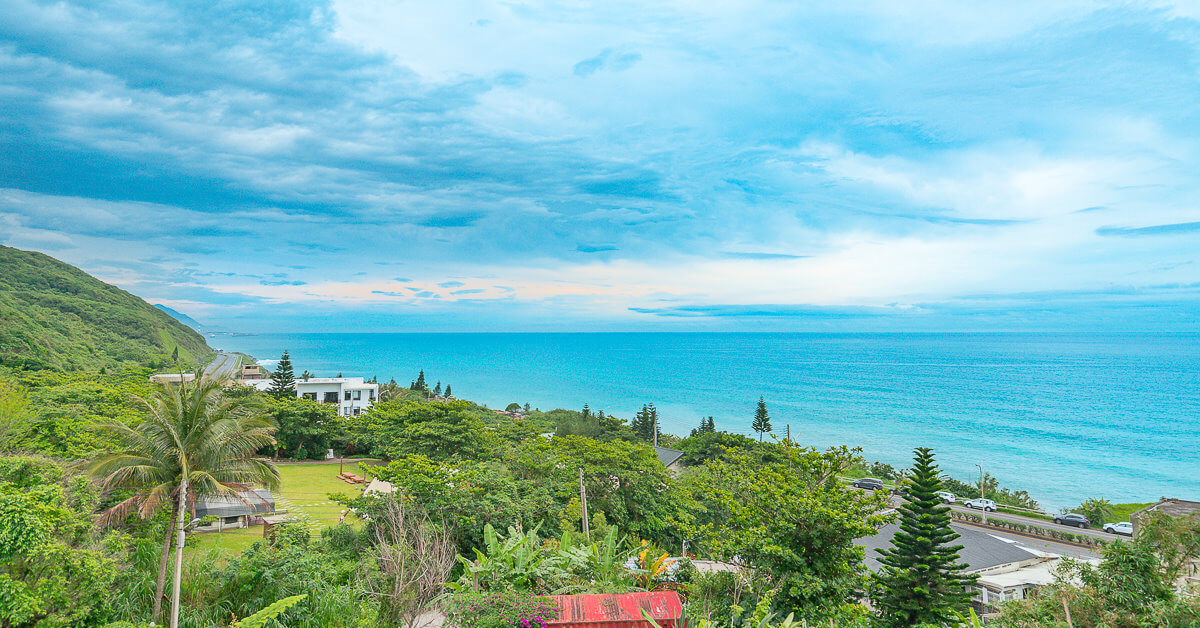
440, 430
795, 520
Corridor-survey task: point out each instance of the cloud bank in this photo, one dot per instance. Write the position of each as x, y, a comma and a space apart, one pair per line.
614, 165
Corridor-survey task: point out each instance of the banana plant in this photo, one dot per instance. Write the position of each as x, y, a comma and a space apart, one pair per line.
601, 562
515, 561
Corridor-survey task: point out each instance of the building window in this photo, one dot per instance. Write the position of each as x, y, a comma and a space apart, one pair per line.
331, 397
310, 396
357, 395
347, 395
356, 412
231, 519
371, 395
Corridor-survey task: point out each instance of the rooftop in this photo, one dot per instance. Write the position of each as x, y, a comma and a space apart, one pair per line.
1173, 507
666, 456
348, 382
253, 501
980, 549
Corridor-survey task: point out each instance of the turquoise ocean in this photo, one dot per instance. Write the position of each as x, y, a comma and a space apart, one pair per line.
1063, 416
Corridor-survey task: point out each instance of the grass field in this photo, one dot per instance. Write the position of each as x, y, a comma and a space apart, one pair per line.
304, 491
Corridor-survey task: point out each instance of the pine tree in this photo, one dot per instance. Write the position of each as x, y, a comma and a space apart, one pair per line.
642, 424
526, 405
587, 412
653, 427
448, 393
762, 421
283, 380
437, 390
306, 375
712, 425
420, 383
922, 579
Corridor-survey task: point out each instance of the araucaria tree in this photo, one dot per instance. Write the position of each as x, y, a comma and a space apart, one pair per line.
283, 379
762, 420
195, 441
420, 383
645, 423
922, 580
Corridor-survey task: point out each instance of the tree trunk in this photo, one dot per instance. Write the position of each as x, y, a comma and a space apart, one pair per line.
179, 525
162, 563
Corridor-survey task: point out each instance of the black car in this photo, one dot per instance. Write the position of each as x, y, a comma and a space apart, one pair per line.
871, 484
1073, 519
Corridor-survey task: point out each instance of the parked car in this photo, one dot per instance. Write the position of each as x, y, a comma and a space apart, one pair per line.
1072, 519
982, 504
871, 484
1123, 527
947, 496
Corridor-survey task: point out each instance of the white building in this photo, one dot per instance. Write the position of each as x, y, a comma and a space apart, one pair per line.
352, 395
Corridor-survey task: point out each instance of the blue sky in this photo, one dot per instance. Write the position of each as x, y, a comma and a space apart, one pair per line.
591, 166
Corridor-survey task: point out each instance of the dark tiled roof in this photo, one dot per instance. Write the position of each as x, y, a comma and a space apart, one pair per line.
980, 549
667, 456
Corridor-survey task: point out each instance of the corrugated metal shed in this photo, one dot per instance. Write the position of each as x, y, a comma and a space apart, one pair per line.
622, 610
255, 501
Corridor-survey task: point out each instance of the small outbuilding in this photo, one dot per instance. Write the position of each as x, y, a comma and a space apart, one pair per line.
1188, 582
234, 510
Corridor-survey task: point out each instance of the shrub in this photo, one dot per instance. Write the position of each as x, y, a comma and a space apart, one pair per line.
508, 609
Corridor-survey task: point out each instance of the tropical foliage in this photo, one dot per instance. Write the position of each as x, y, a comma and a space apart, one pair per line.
194, 441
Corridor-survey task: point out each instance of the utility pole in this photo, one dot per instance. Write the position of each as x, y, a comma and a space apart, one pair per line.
982, 495
656, 428
583, 507
179, 539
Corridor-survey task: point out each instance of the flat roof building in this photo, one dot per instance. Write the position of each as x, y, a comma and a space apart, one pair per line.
351, 395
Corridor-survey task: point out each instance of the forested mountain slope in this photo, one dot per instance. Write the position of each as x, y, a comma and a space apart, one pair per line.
55, 316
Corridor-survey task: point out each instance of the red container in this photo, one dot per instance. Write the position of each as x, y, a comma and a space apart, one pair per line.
619, 610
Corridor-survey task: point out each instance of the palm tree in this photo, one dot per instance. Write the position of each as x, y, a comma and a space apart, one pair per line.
194, 441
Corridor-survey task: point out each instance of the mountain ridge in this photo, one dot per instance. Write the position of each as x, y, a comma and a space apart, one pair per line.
56, 316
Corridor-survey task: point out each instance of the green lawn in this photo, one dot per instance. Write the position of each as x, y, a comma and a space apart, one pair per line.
304, 491
1121, 512
307, 488
228, 543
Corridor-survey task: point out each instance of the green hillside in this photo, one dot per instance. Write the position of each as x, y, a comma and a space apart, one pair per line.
55, 316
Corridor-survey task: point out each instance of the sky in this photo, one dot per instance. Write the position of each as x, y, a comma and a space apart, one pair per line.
577, 166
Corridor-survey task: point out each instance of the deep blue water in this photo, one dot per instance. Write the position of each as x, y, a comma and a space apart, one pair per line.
1064, 416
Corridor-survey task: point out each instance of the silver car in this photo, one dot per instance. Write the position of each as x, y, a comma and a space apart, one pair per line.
1123, 527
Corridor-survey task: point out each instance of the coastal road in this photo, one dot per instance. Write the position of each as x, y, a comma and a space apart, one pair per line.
1041, 523
221, 366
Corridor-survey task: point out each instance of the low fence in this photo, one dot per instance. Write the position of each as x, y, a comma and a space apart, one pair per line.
1032, 530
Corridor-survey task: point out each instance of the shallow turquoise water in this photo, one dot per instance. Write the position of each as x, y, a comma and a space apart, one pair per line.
1064, 416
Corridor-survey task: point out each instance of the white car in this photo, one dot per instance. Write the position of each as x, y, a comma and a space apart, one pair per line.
982, 504
1123, 527
947, 496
